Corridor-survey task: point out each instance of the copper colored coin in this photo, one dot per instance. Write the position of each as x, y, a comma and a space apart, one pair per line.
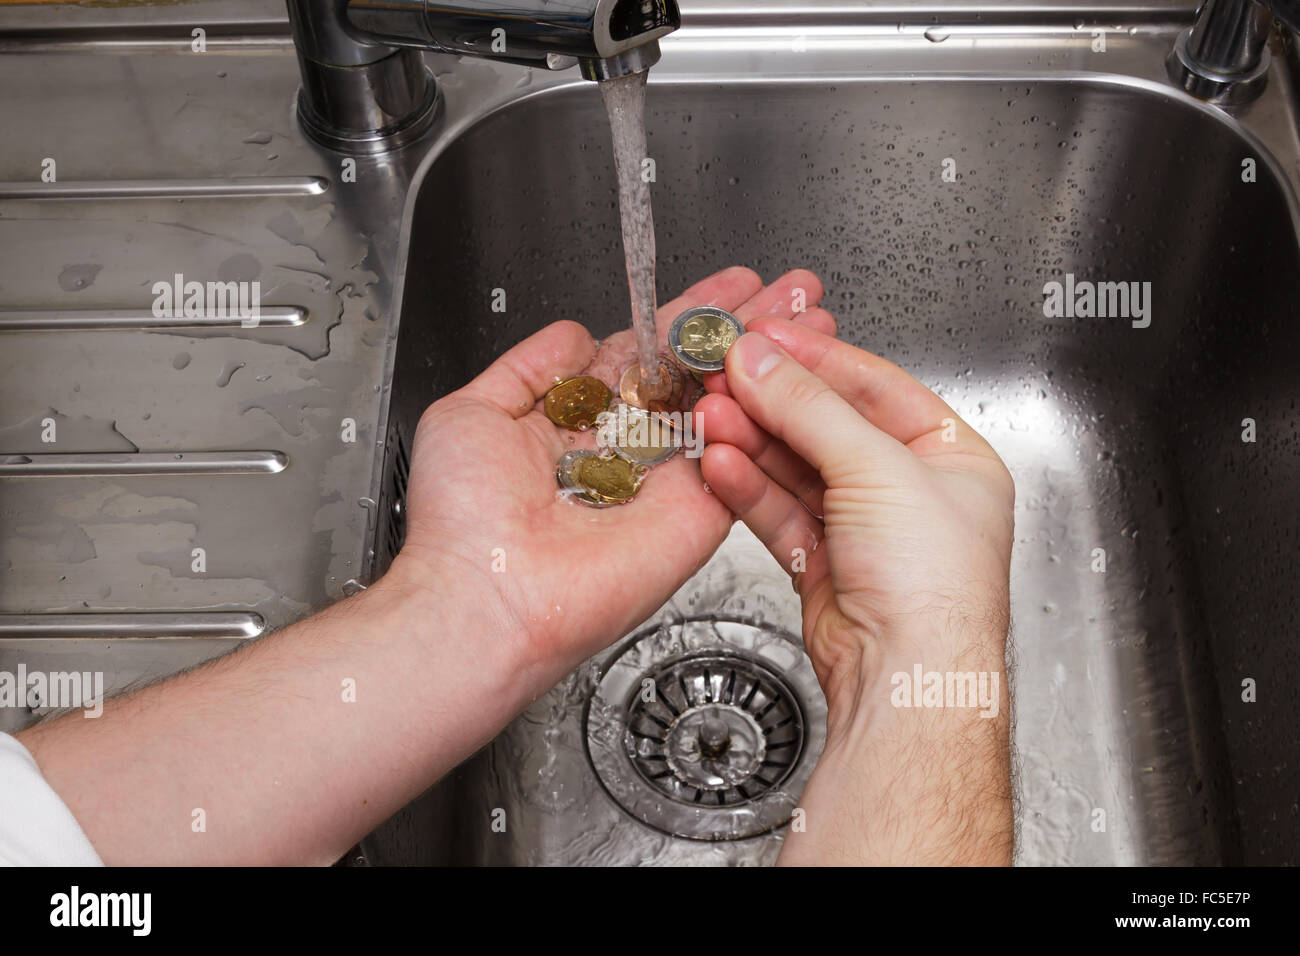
576, 402
666, 396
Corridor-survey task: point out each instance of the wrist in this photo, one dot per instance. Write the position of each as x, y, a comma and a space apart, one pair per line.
926, 672
918, 743
443, 604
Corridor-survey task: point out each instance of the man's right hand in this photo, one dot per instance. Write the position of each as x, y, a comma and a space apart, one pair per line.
895, 517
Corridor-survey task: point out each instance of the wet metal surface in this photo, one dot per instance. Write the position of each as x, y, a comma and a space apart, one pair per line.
1134, 743
812, 146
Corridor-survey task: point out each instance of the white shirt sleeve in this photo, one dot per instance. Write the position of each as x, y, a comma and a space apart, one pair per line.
36, 826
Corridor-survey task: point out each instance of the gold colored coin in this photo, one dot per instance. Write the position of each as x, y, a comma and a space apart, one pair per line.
566, 469
576, 402
599, 481
609, 477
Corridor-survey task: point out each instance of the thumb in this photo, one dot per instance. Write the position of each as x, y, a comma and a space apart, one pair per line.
794, 405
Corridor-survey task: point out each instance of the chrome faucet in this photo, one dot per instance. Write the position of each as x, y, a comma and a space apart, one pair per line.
1223, 57
365, 88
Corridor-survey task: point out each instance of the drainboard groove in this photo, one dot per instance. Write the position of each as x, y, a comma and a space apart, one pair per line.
232, 187
110, 464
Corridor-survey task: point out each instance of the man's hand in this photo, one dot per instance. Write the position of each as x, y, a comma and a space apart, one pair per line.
295, 747
896, 519
568, 579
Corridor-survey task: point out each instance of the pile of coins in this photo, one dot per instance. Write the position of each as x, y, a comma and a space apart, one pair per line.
642, 435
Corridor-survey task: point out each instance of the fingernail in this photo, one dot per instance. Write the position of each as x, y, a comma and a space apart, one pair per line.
758, 355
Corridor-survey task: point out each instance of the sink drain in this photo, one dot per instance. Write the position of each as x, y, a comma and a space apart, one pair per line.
707, 729
713, 728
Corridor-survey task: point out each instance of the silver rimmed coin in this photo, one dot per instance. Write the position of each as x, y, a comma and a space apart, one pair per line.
642, 437
599, 481
700, 337
566, 476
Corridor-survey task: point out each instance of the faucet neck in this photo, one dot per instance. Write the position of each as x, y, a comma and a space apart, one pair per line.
364, 85
357, 96
1223, 57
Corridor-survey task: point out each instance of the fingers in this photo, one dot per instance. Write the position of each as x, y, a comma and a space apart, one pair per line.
883, 393
819, 320
516, 381
794, 405
784, 298
727, 289
720, 419
794, 296
740, 291
771, 512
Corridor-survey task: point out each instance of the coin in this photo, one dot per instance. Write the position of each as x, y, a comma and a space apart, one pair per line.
610, 478
564, 469
700, 337
642, 437
598, 480
664, 397
576, 402
566, 476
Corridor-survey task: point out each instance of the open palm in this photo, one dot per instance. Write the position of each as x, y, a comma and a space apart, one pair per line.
482, 502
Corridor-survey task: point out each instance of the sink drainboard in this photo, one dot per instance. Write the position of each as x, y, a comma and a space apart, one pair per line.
707, 729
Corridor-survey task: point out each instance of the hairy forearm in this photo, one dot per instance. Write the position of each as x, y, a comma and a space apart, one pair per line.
290, 750
911, 784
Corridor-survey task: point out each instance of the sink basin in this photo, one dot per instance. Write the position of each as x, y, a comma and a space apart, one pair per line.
1156, 720
1134, 744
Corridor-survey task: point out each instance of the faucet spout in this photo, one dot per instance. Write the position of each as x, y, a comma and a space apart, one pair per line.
522, 30
636, 60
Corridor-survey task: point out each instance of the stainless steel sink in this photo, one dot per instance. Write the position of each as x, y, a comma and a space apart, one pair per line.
1127, 682
780, 141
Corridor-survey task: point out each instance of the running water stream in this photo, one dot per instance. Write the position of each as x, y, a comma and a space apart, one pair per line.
625, 102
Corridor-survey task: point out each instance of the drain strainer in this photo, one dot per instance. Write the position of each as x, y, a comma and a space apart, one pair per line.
708, 729
714, 729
